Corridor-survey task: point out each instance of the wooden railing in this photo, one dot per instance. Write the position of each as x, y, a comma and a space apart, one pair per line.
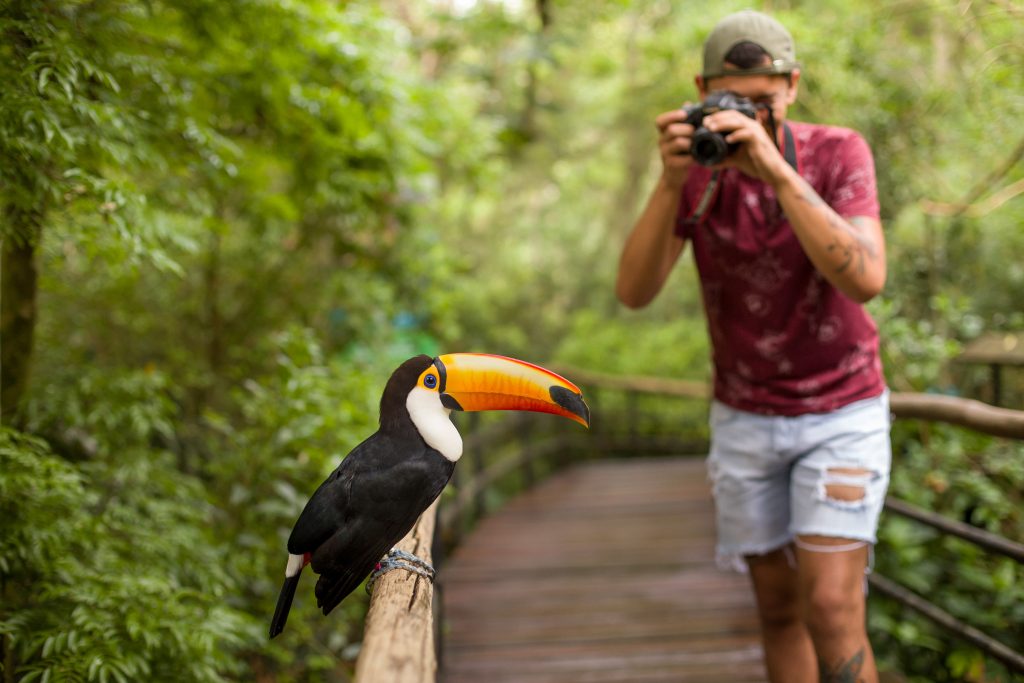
398, 643
402, 638
964, 412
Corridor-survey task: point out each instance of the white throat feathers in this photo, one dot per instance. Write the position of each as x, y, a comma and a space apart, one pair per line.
433, 422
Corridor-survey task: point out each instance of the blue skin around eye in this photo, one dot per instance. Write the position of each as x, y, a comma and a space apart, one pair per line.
430, 381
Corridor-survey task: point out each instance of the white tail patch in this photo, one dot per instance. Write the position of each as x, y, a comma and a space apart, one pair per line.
295, 565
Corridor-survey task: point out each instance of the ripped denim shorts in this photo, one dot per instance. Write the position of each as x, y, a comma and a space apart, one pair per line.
776, 478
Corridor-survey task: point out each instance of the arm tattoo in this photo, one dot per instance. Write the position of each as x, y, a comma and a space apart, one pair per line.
857, 248
849, 240
843, 672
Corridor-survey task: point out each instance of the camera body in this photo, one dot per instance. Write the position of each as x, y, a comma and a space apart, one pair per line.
708, 148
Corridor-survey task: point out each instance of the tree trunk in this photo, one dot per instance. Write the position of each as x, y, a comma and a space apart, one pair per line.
19, 278
528, 118
214, 316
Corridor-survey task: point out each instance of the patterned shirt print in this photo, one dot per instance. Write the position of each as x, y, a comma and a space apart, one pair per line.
784, 340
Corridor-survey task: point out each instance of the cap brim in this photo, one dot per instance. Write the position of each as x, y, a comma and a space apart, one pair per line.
776, 68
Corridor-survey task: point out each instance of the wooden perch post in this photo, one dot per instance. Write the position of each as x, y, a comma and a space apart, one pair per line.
398, 645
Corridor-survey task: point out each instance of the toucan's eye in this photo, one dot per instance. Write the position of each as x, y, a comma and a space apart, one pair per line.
430, 381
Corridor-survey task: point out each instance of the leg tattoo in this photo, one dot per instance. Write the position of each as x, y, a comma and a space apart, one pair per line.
843, 672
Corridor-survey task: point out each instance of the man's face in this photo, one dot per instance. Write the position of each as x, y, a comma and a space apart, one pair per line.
774, 91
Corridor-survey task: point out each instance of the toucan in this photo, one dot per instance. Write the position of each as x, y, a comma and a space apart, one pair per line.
374, 497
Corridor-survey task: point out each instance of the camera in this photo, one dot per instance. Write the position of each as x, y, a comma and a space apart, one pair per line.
706, 147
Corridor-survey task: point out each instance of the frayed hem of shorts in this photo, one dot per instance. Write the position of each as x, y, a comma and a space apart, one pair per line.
732, 559
870, 539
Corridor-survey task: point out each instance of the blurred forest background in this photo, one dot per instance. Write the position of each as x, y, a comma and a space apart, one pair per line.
225, 222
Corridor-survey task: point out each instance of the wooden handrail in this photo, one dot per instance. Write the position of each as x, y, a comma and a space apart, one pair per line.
981, 640
398, 642
641, 384
964, 412
972, 534
399, 638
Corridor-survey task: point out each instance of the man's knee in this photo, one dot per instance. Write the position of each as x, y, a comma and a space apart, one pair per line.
831, 609
775, 587
832, 585
779, 612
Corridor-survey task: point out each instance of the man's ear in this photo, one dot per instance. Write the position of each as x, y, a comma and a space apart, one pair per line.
702, 87
794, 86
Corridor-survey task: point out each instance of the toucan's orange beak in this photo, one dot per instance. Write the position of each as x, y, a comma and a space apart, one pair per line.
480, 381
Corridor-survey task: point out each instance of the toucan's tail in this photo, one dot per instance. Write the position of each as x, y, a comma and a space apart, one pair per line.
284, 603
333, 586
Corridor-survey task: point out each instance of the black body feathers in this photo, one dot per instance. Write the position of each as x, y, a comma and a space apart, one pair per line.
369, 503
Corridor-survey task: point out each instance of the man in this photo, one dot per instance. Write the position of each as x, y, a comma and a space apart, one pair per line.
787, 250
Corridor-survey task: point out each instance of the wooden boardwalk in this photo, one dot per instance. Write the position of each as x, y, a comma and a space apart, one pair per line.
603, 573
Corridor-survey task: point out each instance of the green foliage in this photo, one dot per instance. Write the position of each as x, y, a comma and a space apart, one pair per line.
662, 344
918, 351
970, 478
110, 575
294, 424
247, 213
204, 175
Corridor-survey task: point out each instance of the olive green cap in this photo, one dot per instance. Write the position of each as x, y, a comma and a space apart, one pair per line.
756, 28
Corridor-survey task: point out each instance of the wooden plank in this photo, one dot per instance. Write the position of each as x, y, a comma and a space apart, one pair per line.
603, 573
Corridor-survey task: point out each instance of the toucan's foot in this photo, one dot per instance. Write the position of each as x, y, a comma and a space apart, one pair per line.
399, 559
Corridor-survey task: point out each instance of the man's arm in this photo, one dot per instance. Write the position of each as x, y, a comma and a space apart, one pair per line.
652, 247
848, 252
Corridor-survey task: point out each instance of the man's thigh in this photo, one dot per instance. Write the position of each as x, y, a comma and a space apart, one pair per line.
750, 485
838, 487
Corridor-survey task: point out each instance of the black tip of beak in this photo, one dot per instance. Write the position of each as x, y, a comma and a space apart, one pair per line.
571, 401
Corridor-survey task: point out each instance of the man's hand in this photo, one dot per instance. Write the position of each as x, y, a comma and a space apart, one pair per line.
758, 155
674, 136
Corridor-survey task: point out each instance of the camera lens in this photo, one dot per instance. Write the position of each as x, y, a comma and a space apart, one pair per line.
708, 148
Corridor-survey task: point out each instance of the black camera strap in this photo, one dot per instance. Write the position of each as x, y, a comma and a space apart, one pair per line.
789, 147
711, 189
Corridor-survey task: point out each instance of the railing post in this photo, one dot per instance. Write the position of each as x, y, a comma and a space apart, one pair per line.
398, 644
525, 461
632, 415
437, 550
596, 426
479, 500
997, 384
452, 532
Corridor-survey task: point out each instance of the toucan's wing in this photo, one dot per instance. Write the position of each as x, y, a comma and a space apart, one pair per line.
326, 510
384, 506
